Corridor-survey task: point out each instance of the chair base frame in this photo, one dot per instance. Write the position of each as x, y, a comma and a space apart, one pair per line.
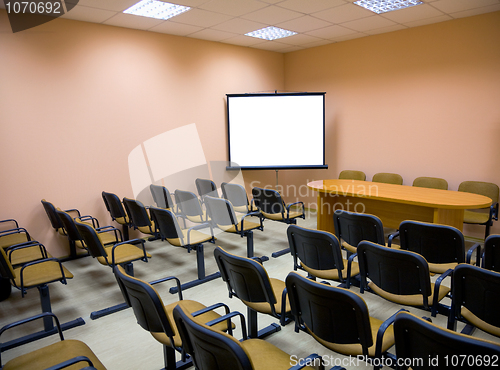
254, 332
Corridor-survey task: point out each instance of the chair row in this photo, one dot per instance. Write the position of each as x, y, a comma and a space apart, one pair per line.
476, 217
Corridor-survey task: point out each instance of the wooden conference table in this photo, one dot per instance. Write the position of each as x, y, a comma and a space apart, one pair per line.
393, 203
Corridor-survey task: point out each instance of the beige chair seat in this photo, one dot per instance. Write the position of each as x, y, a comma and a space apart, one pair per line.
54, 354
264, 355
40, 273
13, 239
355, 349
279, 216
352, 249
123, 254
25, 255
278, 286
195, 237
476, 217
189, 306
198, 219
410, 300
333, 274
477, 322
146, 229
440, 268
247, 225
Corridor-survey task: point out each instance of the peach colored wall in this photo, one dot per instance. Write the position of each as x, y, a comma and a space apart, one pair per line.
76, 98
419, 102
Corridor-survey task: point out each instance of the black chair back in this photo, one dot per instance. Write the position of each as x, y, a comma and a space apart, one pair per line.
137, 213
491, 256
50, 209
235, 193
352, 227
206, 187
437, 243
220, 211
91, 239
188, 203
161, 196
166, 223
268, 200
113, 205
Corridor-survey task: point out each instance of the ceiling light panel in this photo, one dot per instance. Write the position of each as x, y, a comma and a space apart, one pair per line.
156, 9
383, 6
271, 33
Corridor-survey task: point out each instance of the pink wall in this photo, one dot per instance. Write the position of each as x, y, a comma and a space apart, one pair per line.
76, 98
419, 102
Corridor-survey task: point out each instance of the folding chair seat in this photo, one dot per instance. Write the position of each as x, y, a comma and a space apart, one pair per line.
442, 246
189, 206
421, 344
139, 217
206, 187
475, 299
352, 175
38, 274
338, 318
351, 228
213, 349
169, 229
318, 253
12, 234
431, 182
236, 194
484, 216
248, 280
157, 318
400, 276
222, 214
57, 355
491, 253
388, 178
50, 209
116, 211
161, 196
123, 253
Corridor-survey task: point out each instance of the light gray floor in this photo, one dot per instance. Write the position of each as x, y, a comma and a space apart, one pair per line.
120, 343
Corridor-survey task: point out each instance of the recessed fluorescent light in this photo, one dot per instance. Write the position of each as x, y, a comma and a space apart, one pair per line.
271, 33
156, 9
383, 6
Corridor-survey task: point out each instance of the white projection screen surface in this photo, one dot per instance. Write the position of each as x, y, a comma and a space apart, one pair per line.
276, 131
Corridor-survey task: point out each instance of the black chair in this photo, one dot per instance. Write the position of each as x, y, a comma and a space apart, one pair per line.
318, 253
400, 276
116, 211
475, 300
273, 207
351, 228
123, 253
37, 274
236, 194
50, 209
189, 206
222, 214
248, 280
58, 355
211, 349
161, 196
338, 318
491, 253
421, 344
206, 187
168, 228
442, 246
157, 318
139, 217
484, 216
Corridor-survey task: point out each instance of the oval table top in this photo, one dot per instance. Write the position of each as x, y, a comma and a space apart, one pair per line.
427, 197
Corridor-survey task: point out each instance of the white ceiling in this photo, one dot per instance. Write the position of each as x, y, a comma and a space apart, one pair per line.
317, 22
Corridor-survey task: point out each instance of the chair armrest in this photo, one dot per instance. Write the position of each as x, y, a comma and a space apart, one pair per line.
32, 318
52, 259
227, 318
311, 360
293, 204
381, 331
133, 241
17, 230
95, 222
349, 266
73, 210
283, 321
203, 225
72, 361
215, 321
107, 229
178, 283
248, 215
494, 212
391, 238
437, 285
476, 247
33, 243
10, 220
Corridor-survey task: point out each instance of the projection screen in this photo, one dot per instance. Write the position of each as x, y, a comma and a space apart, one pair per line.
276, 131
